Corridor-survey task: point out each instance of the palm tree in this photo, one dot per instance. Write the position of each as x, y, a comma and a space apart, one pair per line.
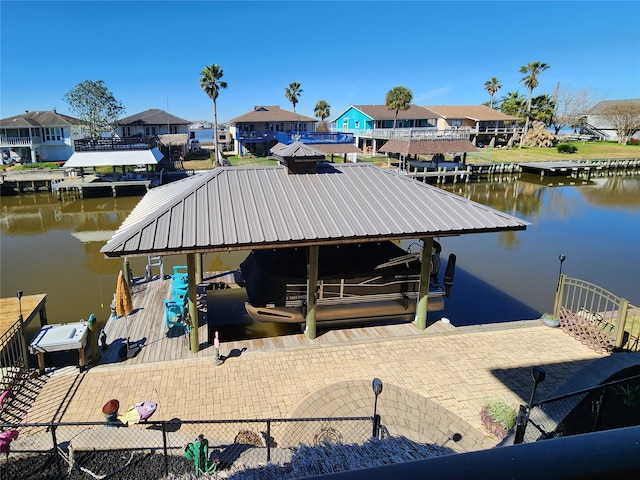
322, 111
492, 86
398, 98
530, 81
211, 83
292, 92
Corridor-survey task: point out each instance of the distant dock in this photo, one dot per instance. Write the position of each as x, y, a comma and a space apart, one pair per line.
579, 169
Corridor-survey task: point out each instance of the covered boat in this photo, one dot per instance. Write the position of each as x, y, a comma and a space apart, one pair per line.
372, 281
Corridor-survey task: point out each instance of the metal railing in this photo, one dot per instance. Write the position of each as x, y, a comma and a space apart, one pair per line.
600, 309
159, 447
590, 410
429, 133
315, 137
19, 141
13, 357
115, 143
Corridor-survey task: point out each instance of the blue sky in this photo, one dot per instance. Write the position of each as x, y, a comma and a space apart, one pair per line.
150, 53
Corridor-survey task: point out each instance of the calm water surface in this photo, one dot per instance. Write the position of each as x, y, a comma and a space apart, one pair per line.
50, 246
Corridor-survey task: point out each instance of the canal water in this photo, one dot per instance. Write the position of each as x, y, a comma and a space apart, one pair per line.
53, 247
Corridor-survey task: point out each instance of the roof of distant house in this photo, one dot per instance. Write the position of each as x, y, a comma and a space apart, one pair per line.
46, 118
477, 113
601, 106
153, 116
271, 113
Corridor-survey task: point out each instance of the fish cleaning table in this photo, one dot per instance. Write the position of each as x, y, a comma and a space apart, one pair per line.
58, 338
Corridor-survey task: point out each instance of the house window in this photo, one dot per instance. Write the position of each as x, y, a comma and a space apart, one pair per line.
126, 131
173, 129
357, 124
150, 131
53, 134
456, 123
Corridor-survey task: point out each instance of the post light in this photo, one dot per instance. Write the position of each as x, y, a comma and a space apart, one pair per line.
19, 295
538, 374
377, 390
562, 258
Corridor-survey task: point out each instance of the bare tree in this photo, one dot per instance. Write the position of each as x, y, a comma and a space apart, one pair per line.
623, 116
570, 107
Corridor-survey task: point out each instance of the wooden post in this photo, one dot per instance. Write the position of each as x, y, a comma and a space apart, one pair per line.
312, 284
620, 324
423, 289
199, 273
92, 339
193, 314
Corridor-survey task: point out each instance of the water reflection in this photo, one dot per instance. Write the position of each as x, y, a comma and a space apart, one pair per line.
50, 246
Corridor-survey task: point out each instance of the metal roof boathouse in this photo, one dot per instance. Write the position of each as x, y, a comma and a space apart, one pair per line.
304, 204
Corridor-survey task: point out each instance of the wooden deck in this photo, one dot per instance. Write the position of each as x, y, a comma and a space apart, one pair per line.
32, 306
146, 327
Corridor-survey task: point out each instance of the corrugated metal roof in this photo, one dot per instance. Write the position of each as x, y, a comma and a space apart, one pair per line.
326, 148
417, 147
114, 158
239, 208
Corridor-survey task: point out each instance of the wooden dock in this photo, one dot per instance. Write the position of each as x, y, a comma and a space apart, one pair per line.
145, 326
92, 182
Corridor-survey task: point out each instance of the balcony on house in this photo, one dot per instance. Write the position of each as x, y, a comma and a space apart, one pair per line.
19, 141
256, 135
115, 144
315, 137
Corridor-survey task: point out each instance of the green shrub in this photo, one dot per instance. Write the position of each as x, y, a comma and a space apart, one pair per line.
498, 417
567, 148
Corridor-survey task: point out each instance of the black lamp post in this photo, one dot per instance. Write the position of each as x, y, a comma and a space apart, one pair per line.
19, 295
538, 374
562, 258
377, 390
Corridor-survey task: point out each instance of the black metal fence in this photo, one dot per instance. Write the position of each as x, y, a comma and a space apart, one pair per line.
157, 449
13, 357
608, 406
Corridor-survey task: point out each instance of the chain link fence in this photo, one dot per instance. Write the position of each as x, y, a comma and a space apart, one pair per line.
157, 449
609, 406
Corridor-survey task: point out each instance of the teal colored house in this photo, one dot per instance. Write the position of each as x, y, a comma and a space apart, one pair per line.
363, 118
372, 125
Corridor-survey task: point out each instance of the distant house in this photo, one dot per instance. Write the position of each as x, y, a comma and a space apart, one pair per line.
255, 132
596, 124
486, 126
173, 133
39, 136
373, 125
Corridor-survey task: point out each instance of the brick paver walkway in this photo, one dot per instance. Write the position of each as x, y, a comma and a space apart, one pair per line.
446, 375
